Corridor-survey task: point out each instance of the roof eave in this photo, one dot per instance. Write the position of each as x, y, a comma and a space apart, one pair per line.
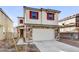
52, 10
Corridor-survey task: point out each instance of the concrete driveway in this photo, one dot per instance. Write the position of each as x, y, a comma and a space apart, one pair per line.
51, 46
55, 46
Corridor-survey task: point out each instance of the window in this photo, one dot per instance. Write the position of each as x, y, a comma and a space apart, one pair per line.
33, 15
21, 21
50, 16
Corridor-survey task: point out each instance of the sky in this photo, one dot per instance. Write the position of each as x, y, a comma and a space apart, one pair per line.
14, 11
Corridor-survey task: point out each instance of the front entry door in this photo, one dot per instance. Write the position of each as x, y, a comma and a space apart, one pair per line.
21, 33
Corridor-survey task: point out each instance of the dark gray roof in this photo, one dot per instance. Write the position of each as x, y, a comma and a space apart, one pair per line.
52, 10
69, 17
5, 14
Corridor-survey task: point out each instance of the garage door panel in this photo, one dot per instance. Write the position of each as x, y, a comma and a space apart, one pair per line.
43, 34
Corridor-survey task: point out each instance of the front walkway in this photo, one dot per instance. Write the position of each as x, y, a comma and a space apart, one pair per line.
28, 47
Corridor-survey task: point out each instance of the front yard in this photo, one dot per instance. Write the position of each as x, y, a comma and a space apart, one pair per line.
64, 45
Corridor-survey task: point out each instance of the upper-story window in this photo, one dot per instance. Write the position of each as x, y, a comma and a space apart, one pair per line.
21, 21
50, 16
33, 15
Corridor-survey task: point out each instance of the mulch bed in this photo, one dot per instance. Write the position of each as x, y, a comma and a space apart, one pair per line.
2, 44
4, 47
28, 48
32, 48
70, 42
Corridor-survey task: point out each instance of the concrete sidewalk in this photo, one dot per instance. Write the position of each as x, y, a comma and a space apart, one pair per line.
55, 46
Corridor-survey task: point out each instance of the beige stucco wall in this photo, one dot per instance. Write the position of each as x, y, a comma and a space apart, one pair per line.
66, 22
10, 26
68, 29
42, 18
6, 24
27, 20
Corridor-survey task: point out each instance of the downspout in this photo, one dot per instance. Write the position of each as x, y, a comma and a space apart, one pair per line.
41, 15
24, 10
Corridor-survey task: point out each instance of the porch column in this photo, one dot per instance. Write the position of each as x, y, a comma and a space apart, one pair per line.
25, 27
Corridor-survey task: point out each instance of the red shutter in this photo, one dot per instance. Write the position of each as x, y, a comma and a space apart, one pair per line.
30, 14
37, 15
53, 16
47, 16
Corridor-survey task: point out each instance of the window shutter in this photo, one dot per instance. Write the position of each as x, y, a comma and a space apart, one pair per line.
37, 15
30, 14
53, 16
47, 16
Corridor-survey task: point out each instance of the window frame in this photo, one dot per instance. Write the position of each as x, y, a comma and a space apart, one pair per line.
53, 16
21, 21
37, 15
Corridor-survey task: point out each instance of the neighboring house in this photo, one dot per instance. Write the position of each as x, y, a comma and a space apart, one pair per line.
70, 27
6, 26
20, 27
39, 24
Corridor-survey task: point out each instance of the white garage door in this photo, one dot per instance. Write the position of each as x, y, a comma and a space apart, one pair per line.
43, 34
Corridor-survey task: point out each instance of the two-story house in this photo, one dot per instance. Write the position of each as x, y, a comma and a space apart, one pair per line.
39, 24
70, 27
